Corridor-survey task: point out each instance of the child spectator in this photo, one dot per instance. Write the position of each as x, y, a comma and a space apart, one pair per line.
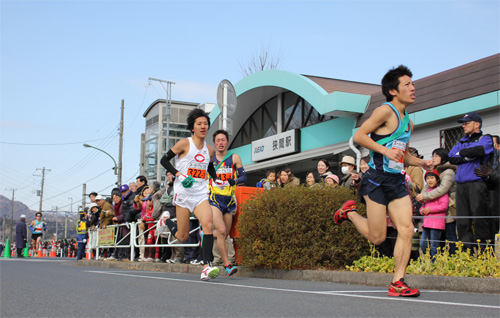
332, 180
434, 225
150, 252
270, 181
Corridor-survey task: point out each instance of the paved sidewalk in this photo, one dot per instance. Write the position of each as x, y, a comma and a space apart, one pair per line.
462, 284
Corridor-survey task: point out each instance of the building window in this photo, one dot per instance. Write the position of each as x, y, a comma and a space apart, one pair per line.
297, 113
449, 137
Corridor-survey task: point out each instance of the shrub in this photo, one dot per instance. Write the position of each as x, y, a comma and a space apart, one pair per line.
461, 264
294, 229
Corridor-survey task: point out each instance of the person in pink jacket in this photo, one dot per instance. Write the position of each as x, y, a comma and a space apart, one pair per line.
434, 212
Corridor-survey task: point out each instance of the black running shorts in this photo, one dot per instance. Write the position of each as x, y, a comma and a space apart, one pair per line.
382, 187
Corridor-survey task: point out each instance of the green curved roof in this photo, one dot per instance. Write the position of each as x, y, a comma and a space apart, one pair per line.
335, 103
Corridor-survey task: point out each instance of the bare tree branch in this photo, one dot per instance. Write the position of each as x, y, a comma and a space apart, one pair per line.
262, 60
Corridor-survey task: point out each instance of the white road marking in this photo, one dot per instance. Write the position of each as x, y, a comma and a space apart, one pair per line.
335, 293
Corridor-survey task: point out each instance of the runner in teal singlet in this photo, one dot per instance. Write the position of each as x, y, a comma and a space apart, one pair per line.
386, 133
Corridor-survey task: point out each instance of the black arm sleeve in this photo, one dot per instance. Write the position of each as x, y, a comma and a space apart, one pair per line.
165, 162
211, 171
456, 160
477, 151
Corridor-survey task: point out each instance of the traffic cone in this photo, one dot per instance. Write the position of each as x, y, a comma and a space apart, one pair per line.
29, 253
6, 252
26, 252
40, 253
53, 252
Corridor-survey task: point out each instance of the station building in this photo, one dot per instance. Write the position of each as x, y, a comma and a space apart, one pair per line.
288, 120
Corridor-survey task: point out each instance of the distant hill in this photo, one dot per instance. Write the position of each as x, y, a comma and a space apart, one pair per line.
19, 209
49, 218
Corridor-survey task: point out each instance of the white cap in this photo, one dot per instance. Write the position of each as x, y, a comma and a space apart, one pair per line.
93, 205
99, 197
23, 216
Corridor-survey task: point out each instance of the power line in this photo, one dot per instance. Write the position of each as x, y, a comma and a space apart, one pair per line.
59, 144
140, 107
106, 171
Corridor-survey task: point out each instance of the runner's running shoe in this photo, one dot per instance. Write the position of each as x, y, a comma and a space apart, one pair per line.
400, 288
230, 269
209, 273
341, 214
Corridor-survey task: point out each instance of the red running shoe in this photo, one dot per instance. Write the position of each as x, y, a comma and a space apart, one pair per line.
400, 288
341, 214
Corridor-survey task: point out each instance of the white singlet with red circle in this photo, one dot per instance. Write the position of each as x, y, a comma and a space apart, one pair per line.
194, 163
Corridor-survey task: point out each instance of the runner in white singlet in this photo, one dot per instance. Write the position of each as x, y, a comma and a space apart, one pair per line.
191, 190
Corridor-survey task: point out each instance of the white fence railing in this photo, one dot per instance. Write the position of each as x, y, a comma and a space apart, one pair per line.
134, 234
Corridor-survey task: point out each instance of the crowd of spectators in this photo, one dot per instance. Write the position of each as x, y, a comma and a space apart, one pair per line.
456, 201
145, 205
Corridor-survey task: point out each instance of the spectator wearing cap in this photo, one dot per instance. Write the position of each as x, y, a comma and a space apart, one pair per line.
21, 235
332, 180
472, 151
107, 212
434, 212
82, 234
491, 175
347, 166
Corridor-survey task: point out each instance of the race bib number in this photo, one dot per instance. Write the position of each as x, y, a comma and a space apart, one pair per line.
198, 170
225, 174
398, 165
197, 173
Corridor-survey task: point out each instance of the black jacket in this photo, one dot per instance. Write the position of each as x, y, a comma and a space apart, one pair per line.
128, 211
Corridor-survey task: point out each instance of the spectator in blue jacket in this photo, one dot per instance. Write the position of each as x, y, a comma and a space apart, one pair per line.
472, 151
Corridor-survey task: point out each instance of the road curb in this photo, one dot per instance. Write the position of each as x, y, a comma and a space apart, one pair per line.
448, 283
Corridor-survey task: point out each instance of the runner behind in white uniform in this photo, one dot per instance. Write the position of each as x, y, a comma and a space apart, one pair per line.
191, 189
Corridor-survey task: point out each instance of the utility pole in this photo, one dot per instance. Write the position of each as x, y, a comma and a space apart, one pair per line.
12, 216
121, 146
57, 223
168, 102
43, 182
3, 227
66, 219
84, 194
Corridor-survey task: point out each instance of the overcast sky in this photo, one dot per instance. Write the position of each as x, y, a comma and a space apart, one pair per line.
66, 66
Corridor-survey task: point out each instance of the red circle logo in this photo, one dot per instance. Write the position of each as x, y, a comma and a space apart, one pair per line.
199, 158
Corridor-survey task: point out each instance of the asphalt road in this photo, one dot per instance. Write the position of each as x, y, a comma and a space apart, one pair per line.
56, 288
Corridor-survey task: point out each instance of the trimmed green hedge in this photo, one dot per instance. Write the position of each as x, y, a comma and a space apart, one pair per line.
294, 229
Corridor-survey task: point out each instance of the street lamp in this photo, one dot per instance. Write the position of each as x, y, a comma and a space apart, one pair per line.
114, 161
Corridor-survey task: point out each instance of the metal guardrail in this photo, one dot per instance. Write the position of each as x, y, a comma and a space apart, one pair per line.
134, 235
